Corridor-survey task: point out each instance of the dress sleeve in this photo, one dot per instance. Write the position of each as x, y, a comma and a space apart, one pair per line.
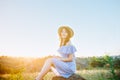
71, 49
67, 49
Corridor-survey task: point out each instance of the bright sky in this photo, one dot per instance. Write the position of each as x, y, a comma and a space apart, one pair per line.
29, 27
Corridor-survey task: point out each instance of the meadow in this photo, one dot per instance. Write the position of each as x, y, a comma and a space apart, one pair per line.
91, 68
87, 74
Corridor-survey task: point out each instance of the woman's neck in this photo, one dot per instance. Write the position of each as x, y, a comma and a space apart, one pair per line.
68, 43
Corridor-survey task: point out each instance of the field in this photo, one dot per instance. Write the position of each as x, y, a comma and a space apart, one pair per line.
87, 74
91, 68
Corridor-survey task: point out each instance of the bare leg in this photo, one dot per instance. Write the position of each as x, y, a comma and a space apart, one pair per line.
45, 69
55, 71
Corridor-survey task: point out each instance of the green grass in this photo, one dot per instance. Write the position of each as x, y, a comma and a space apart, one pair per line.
87, 74
94, 74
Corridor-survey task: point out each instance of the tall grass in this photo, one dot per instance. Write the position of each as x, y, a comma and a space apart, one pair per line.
87, 74
11, 69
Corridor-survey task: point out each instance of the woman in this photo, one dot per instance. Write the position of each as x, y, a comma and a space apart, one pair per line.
65, 65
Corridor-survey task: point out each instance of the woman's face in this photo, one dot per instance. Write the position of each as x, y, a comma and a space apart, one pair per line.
64, 33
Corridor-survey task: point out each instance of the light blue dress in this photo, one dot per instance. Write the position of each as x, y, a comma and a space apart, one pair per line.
65, 69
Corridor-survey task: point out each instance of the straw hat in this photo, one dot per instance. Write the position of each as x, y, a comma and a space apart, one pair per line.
66, 27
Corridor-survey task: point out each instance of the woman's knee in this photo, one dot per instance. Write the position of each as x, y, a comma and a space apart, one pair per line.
52, 60
49, 60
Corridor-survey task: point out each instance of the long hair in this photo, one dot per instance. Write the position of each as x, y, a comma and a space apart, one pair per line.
63, 43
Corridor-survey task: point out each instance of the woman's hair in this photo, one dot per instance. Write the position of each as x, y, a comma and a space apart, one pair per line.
70, 34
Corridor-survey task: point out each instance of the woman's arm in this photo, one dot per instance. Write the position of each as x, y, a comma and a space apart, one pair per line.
68, 59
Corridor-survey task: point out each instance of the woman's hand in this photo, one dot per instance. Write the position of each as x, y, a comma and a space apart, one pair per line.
68, 59
58, 57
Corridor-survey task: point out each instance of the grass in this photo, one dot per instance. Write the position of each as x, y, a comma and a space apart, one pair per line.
87, 74
95, 74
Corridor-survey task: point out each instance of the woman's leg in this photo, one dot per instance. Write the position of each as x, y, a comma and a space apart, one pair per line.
45, 69
55, 71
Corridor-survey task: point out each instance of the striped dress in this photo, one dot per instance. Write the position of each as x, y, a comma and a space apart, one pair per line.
65, 69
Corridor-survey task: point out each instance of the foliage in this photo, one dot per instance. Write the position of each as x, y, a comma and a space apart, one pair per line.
15, 64
113, 64
20, 68
17, 76
95, 74
97, 62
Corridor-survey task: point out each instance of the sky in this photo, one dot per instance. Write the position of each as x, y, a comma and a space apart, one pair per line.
28, 28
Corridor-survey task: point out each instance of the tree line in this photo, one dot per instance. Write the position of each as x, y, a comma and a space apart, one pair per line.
17, 64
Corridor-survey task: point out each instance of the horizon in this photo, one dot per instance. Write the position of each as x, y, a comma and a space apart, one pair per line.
28, 57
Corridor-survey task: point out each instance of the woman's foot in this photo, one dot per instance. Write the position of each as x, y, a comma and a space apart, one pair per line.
38, 79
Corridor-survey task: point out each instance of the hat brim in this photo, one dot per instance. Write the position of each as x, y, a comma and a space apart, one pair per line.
70, 30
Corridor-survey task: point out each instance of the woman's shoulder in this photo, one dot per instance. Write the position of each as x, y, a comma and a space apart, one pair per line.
67, 49
71, 47
69, 44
